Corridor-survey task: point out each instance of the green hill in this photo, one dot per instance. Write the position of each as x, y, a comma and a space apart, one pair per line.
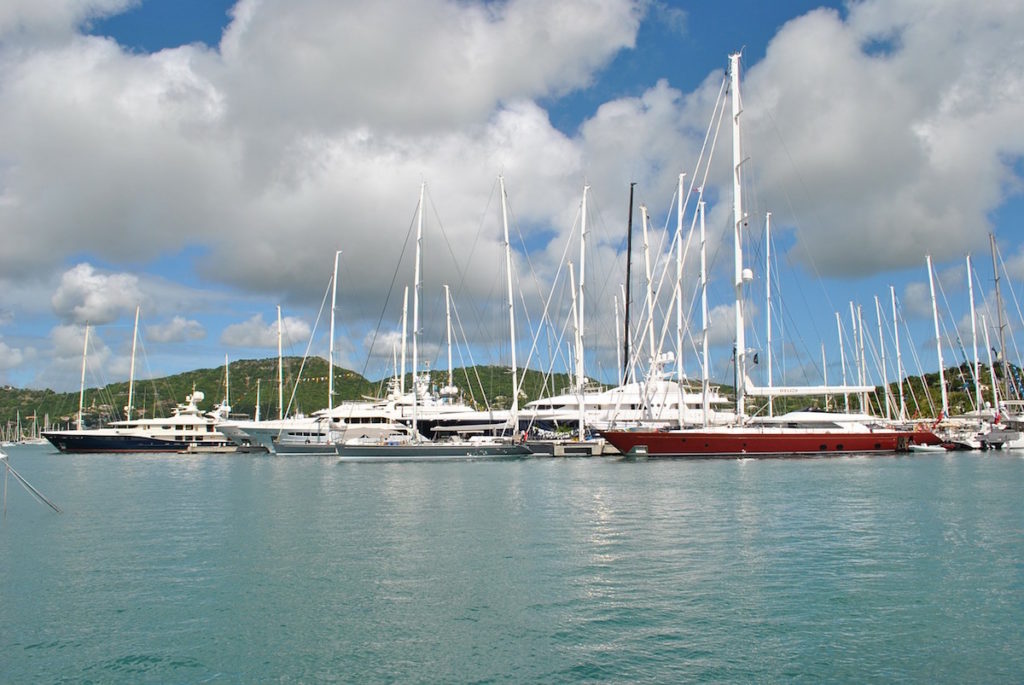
481, 386
158, 397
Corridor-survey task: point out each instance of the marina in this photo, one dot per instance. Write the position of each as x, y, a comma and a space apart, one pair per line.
511, 342
206, 568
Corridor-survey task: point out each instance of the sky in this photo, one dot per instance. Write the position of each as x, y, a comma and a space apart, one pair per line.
204, 160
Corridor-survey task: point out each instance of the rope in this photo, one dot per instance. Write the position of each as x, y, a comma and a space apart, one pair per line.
28, 486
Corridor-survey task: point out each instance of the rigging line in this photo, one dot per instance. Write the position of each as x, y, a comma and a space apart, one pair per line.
716, 124
460, 272
391, 288
476, 371
907, 378
874, 352
1014, 380
920, 372
309, 345
959, 344
28, 486
889, 338
545, 315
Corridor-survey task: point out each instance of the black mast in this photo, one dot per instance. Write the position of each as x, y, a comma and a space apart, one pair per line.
629, 261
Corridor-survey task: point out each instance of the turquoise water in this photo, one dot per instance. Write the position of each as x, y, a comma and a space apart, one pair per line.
225, 569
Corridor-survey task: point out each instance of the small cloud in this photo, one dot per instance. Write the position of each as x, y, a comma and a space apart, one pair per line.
917, 301
178, 329
674, 19
85, 296
255, 332
10, 357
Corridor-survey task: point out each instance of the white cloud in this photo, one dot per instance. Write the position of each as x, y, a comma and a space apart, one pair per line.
404, 67
10, 357
85, 296
255, 332
889, 132
917, 301
883, 135
52, 18
63, 371
178, 329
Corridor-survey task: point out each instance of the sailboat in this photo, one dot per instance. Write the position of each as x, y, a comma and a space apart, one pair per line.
187, 429
412, 446
802, 432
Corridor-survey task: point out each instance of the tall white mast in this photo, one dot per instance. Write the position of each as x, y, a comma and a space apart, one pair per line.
768, 299
257, 413
1003, 356
416, 313
618, 339
578, 357
705, 372
330, 351
881, 347
899, 355
856, 348
280, 369
514, 410
581, 377
974, 336
991, 368
448, 328
650, 290
227, 382
738, 221
405, 336
679, 290
824, 373
863, 360
81, 392
938, 339
131, 369
842, 362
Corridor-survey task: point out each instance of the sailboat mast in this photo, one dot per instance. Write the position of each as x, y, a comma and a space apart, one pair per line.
768, 300
881, 348
899, 356
705, 373
81, 392
618, 339
280, 369
824, 373
577, 361
131, 369
514, 411
842, 362
1002, 324
991, 368
629, 261
974, 336
863, 359
581, 309
405, 336
679, 289
416, 311
330, 350
738, 220
650, 290
938, 339
448, 329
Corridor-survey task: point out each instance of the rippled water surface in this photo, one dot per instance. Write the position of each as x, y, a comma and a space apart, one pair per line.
223, 568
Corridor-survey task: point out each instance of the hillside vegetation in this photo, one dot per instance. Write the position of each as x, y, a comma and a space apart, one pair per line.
481, 386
